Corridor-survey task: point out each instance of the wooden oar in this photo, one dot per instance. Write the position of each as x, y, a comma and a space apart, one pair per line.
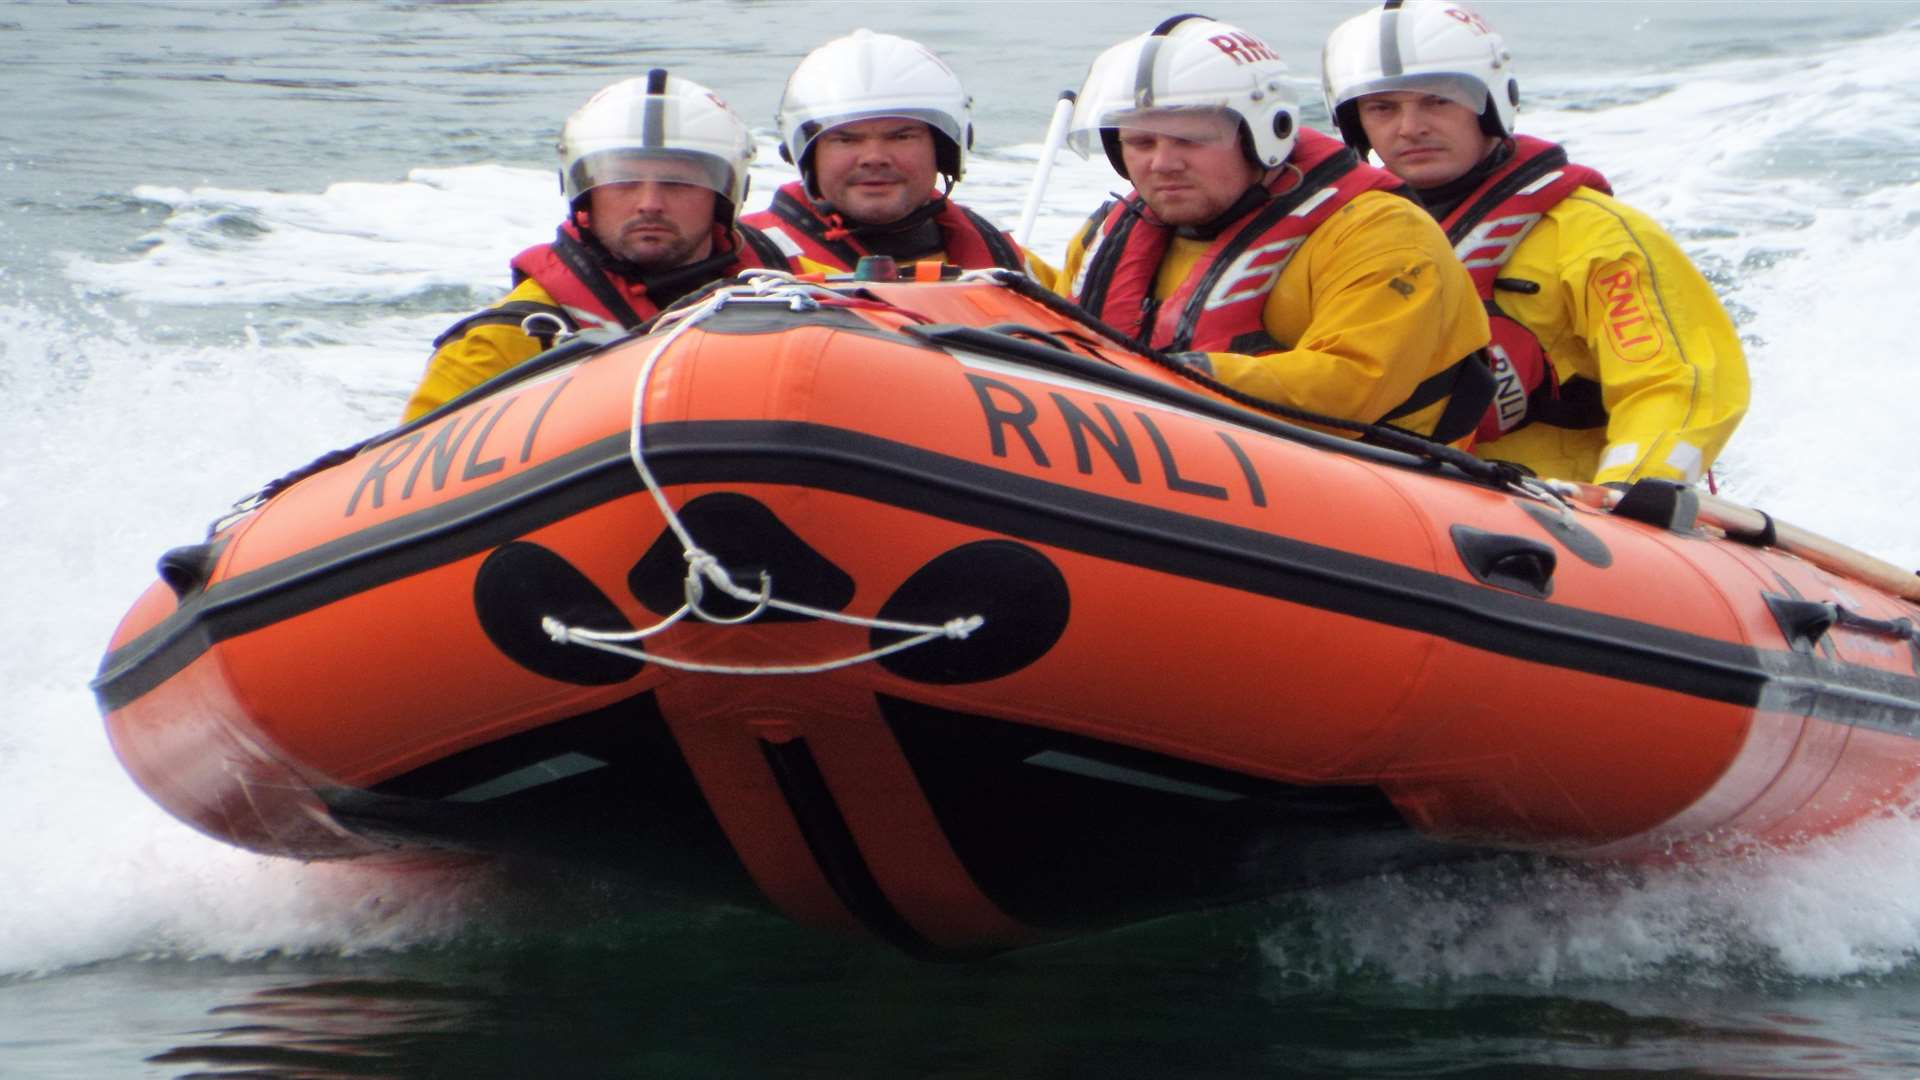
1746, 523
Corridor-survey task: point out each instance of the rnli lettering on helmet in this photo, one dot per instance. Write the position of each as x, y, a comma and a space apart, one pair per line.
1463, 15
1628, 316
1013, 418
1492, 241
1253, 272
1243, 48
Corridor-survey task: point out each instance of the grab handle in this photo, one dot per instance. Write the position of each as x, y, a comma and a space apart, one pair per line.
1516, 563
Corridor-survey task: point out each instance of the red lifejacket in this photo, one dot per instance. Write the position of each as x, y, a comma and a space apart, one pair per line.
1484, 230
593, 296
796, 225
1221, 305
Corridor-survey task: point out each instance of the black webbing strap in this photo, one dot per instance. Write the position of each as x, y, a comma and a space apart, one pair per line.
582, 266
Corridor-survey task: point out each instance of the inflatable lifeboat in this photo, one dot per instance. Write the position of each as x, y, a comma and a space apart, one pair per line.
931, 610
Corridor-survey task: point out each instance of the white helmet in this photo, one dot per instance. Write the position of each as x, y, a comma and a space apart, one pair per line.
1427, 46
1189, 62
661, 127
867, 76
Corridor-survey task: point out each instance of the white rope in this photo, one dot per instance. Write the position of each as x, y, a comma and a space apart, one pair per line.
992, 275
704, 568
957, 629
1546, 491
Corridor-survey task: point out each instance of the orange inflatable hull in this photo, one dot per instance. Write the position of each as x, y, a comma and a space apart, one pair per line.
1218, 656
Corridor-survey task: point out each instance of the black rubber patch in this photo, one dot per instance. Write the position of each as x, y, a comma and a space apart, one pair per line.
1575, 537
747, 539
518, 585
1019, 591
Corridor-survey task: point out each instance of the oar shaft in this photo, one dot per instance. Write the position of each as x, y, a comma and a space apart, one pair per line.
1746, 523
1056, 134
1816, 549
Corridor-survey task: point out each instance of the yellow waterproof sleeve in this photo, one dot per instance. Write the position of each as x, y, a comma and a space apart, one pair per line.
1626, 309
474, 357
1372, 306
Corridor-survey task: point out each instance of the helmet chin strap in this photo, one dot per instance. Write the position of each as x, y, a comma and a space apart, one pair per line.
913, 235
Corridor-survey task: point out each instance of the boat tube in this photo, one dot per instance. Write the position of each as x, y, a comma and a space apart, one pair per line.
929, 610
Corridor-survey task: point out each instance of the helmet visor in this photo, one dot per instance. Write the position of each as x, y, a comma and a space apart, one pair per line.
1119, 86
1201, 125
1460, 89
627, 165
810, 128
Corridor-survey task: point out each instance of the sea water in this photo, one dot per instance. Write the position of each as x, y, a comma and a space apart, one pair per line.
228, 232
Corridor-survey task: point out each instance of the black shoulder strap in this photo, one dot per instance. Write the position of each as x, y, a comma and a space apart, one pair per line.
764, 249
792, 212
580, 263
1005, 255
1527, 173
511, 313
1470, 383
1099, 272
1575, 405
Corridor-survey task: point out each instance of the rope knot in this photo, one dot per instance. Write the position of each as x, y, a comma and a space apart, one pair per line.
703, 566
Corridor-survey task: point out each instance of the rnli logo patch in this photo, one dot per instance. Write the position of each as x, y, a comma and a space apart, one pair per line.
1621, 291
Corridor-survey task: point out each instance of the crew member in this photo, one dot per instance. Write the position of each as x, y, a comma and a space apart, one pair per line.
871, 121
1264, 252
653, 170
1614, 360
